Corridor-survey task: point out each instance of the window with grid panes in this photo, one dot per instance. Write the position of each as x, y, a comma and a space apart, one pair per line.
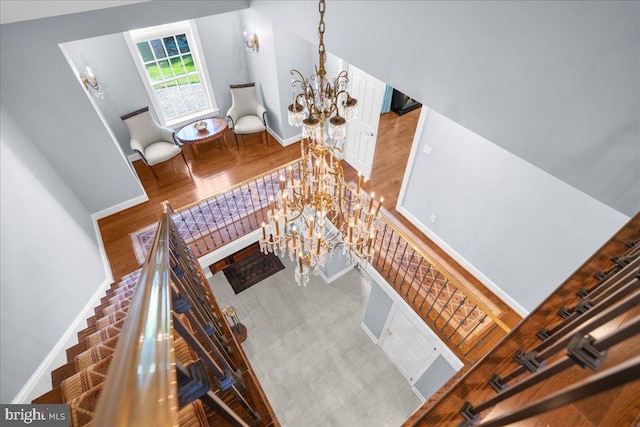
171, 66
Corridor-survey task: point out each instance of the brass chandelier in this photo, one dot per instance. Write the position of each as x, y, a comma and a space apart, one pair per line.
315, 212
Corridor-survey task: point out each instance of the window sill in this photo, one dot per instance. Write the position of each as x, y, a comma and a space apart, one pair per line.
175, 124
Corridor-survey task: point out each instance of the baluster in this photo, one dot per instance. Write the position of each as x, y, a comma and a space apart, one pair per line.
479, 322
444, 306
211, 234
424, 277
406, 270
475, 306
433, 282
410, 284
192, 237
435, 300
406, 245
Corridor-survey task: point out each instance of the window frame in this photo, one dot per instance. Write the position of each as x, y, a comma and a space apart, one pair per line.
158, 32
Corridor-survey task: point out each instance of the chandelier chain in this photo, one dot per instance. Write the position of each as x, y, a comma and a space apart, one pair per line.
321, 48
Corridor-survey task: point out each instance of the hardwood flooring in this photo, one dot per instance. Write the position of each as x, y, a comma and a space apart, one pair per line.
216, 168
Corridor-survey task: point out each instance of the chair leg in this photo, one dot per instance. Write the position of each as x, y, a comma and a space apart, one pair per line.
153, 172
266, 136
185, 162
235, 135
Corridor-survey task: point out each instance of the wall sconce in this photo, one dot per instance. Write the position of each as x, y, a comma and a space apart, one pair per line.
91, 83
252, 42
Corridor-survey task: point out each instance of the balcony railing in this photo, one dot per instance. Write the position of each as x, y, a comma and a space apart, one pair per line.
468, 323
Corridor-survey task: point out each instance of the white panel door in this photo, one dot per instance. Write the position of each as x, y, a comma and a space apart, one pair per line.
407, 346
362, 130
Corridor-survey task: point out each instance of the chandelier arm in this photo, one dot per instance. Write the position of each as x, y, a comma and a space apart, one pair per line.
299, 80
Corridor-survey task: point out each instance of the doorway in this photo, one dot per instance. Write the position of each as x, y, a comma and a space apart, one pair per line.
408, 346
378, 144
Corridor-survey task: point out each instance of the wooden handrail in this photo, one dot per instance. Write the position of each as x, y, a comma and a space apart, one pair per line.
142, 391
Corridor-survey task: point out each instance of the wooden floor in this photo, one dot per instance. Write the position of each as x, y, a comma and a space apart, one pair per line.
216, 168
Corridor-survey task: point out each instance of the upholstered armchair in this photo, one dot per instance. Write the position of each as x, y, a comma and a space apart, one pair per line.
247, 115
154, 143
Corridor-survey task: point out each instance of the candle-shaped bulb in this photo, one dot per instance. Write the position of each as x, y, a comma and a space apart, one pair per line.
318, 244
264, 231
300, 261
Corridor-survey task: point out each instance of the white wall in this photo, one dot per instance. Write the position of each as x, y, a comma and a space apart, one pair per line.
262, 68
555, 83
223, 47
280, 51
52, 108
292, 52
522, 229
50, 264
110, 60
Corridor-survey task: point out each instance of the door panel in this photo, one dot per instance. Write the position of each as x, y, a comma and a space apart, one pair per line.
362, 129
408, 347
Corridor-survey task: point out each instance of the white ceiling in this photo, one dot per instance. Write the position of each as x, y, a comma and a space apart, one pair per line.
24, 10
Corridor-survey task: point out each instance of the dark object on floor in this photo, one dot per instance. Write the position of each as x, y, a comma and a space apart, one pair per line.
252, 269
401, 103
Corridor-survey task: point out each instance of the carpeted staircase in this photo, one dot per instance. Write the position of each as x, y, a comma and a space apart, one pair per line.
79, 382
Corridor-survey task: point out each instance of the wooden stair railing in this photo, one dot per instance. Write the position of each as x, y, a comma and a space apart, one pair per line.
538, 372
171, 307
141, 388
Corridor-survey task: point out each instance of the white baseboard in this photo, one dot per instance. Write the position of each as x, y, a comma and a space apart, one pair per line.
284, 142
420, 396
133, 157
369, 333
463, 262
120, 207
103, 253
230, 248
40, 381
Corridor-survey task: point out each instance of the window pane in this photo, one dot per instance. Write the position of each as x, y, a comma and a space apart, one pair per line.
176, 100
176, 64
153, 72
163, 97
201, 100
194, 79
158, 48
183, 43
170, 45
165, 68
188, 63
145, 51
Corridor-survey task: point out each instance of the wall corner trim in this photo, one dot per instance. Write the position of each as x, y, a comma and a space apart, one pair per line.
284, 142
120, 207
369, 333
